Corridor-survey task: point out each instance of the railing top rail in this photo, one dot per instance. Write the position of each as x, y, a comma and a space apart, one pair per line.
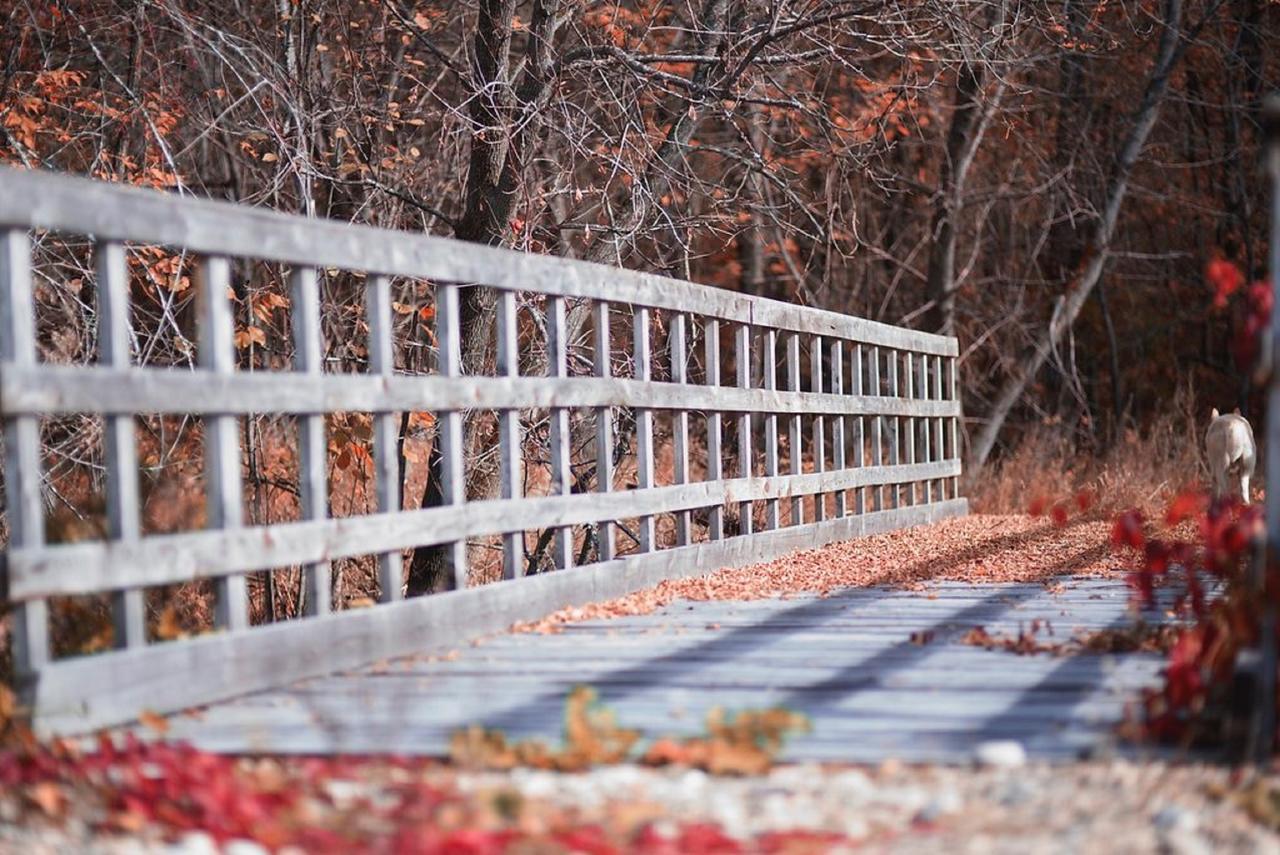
46, 200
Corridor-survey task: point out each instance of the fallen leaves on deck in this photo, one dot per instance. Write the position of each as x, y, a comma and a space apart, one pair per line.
976, 548
746, 742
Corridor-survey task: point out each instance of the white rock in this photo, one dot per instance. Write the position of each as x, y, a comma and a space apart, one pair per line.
852, 785
944, 803
1001, 754
194, 843
1172, 818
244, 847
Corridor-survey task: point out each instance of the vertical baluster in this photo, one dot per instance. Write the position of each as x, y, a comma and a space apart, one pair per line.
742, 359
859, 437
561, 469
895, 426
386, 458
680, 419
794, 435
911, 423
877, 425
938, 438
819, 428
926, 390
715, 466
953, 395
222, 435
644, 422
837, 424
30, 627
510, 462
768, 355
449, 425
313, 449
604, 429
128, 610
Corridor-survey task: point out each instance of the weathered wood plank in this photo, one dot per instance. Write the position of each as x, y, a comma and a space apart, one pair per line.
715, 430
313, 446
449, 424
644, 423
37, 199
510, 435
85, 693
225, 498
742, 359
59, 389
124, 507
30, 628
164, 559
561, 470
603, 356
386, 436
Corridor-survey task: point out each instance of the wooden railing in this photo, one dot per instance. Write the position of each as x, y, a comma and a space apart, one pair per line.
864, 440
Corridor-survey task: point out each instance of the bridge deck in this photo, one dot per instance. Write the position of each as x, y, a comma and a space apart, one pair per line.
845, 660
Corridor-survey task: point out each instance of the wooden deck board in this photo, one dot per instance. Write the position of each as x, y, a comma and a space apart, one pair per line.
846, 660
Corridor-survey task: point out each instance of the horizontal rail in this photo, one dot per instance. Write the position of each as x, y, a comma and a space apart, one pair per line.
44, 200
83, 694
59, 389
164, 559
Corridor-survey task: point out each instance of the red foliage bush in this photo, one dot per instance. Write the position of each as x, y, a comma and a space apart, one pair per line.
1210, 575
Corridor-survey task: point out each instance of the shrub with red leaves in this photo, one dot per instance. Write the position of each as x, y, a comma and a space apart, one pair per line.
1191, 704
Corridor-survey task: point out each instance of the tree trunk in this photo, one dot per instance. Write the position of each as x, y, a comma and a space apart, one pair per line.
1090, 270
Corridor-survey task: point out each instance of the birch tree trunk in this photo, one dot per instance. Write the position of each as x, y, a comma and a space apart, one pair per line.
1095, 257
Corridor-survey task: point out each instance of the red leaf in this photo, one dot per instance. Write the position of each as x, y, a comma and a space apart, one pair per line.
1225, 278
1127, 530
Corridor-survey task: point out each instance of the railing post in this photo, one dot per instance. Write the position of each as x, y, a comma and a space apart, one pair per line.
910, 367
644, 421
449, 424
124, 512
715, 433
742, 360
22, 450
313, 447
837, 423
819, 426
860, 434
604, 428
877, 426
938, 432
795, 438
679, 355
511, 461
769, 364
222, 435
386, 457
561, 469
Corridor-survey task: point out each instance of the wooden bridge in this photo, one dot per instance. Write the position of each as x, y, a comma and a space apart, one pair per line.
816, 427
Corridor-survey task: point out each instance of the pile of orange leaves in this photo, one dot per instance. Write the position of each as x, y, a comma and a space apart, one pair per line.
742, 743
1209, 577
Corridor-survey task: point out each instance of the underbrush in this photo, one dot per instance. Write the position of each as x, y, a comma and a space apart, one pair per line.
1144, 469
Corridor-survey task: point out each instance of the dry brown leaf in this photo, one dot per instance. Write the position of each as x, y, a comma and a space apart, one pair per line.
154, 721
47, 796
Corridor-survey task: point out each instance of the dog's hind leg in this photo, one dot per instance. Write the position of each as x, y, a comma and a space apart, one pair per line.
1219, 470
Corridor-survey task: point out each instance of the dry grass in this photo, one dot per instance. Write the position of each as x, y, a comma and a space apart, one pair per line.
1143, 469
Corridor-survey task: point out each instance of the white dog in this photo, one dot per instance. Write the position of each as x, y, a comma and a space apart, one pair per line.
1232, 453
